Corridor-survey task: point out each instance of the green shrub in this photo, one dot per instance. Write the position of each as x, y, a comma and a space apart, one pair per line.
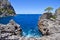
2, 9
54, 17
10, 11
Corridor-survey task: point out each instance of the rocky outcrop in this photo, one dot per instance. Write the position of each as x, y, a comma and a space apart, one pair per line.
46, 16
50, 28
46, 26
10, 29
6, 9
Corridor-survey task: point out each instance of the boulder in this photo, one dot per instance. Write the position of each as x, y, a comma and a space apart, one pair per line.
16, 26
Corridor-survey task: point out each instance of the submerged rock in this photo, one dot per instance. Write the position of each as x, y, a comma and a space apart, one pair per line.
6, 8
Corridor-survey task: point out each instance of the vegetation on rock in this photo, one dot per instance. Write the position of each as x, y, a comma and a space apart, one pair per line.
48, 9
54, 17
6, 9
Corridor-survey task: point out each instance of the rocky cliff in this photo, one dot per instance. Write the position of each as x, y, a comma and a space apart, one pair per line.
6, 8
50, 26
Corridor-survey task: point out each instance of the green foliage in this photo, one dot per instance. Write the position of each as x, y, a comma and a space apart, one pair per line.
10, 11
48, 9
54, 17
2, 9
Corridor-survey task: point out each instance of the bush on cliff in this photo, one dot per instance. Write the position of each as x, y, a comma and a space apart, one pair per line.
49, 13
54, 17
10, 11
48, 9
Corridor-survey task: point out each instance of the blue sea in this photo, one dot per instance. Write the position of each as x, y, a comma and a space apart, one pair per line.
28, 23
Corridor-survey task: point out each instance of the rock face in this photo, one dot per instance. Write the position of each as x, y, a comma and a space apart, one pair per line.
6, 9
10, 29
46, 16
50, 28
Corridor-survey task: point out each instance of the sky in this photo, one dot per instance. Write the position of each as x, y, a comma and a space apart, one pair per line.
33, 6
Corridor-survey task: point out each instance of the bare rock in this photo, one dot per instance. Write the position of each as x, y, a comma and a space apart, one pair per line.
10, 29
46, 16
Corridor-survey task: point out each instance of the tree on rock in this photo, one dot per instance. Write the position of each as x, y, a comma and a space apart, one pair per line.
48, 9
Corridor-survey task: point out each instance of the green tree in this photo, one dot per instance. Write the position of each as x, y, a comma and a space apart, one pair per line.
48, 9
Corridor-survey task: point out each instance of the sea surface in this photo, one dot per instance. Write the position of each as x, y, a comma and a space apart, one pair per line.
28, 23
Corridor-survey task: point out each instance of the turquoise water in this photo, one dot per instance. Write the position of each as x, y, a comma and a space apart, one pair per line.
28, 23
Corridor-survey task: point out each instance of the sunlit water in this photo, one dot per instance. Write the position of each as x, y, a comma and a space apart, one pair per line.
28, 23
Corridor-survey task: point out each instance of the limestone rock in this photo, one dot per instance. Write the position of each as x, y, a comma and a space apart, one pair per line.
10, 29
55, 36
6, 8
50, 28
46, 16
